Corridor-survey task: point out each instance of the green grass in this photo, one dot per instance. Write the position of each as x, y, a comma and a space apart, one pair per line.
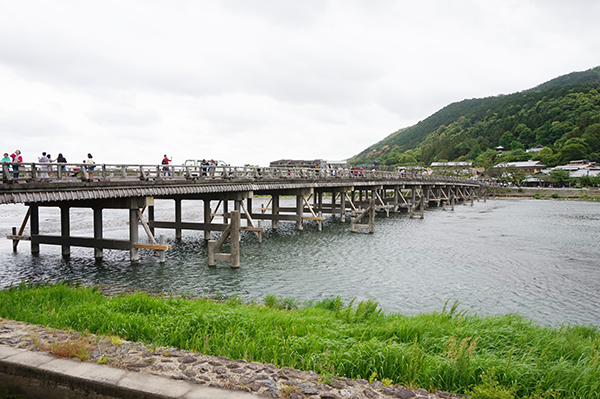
502, 356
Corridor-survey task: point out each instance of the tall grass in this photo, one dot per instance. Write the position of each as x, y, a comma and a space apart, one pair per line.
506, 356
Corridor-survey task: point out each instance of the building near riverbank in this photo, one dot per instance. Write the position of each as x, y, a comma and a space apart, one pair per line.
581, 168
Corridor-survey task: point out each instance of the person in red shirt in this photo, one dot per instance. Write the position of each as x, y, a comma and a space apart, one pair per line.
16, 158
165, 162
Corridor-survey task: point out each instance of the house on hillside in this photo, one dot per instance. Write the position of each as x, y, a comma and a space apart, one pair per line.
537, 148
454, 168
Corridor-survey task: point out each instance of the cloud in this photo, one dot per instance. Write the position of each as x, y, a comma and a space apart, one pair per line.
249, 82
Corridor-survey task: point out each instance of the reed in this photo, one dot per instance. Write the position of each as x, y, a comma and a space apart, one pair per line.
505, 356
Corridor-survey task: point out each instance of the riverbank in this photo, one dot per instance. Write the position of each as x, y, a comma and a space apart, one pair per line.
587, 194
324, 349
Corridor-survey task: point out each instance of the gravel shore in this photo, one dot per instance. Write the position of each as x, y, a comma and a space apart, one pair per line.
215, 371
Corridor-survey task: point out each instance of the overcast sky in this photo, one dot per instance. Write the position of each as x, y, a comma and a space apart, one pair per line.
252, 81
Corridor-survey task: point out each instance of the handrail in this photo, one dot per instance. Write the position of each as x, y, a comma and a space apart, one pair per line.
73, 172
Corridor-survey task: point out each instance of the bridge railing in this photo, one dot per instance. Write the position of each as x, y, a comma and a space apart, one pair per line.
72, 172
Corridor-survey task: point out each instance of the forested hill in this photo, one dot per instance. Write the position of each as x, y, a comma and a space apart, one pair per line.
562, 114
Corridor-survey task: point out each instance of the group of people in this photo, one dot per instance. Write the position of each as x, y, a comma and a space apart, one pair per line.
45, 170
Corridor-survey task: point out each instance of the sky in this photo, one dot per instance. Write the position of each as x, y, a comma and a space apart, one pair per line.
249, 82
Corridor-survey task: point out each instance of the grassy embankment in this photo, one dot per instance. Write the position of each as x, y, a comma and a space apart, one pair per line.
491, 357
584, 194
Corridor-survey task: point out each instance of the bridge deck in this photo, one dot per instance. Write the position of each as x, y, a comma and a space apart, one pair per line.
33, 183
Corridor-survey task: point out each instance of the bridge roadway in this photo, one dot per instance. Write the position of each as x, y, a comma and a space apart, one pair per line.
136, 187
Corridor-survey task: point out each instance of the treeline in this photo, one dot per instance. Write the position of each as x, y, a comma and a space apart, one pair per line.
563, 115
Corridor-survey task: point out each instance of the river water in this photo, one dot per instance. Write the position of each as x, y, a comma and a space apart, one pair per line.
538, 258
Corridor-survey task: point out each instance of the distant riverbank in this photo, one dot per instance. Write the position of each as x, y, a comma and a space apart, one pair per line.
589, 194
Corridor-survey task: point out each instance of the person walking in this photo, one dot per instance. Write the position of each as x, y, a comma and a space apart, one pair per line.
50, 160
61, 159
165, 162
16, 158
44, 169
90, 169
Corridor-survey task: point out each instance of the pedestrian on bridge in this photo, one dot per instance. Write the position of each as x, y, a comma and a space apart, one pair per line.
44, 168
165, 162
61, 159
90, 169
16, 158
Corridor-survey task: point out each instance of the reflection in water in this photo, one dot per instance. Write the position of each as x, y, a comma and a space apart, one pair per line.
537, 258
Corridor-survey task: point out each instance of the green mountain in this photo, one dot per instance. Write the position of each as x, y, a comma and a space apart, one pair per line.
562, 114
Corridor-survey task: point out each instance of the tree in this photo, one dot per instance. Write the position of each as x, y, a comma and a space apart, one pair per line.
526, 136
516, 145
575, 148
506, 139
559, 176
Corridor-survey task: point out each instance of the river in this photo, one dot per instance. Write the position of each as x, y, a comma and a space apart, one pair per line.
538, 258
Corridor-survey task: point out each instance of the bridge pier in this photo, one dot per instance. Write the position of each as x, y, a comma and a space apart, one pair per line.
98, 230
134, 254
275, 210
65, 228
300, 211
34, 226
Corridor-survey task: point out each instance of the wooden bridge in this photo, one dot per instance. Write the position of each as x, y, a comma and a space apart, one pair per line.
136, 187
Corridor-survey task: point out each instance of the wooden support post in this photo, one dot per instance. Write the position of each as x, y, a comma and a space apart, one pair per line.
178, 218
233, 232
235, 240
320, 202
34, 227
65, 229
343, 207
319, 222
248, 211
151, 218
413, 200
207, 218
133, 234
354, 221
275, 210
21, 230
161, 255
225, 211
97, 231
300, 210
